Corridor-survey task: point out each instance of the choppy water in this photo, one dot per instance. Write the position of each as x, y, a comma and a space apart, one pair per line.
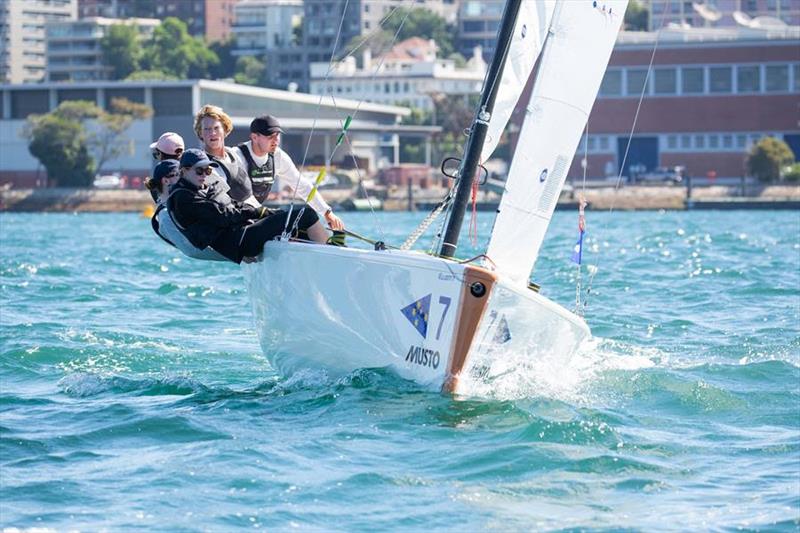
133, 393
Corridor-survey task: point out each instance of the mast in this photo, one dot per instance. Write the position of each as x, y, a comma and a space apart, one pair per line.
480, 125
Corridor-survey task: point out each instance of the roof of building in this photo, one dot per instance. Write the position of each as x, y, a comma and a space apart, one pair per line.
414, 49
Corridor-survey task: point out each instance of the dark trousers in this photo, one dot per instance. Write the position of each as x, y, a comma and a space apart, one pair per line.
266, 229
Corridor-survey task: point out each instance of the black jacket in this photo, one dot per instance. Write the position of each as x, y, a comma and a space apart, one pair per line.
210, 217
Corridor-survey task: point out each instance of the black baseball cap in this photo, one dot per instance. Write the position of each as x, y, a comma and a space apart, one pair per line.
265, 125
164, 169
195, 157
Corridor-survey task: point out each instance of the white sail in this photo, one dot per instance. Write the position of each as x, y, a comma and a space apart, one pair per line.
575, 57
526, 44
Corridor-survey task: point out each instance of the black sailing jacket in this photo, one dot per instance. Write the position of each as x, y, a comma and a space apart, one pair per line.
210, 217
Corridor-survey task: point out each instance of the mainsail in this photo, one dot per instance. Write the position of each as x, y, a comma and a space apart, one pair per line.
575, 56
526, 44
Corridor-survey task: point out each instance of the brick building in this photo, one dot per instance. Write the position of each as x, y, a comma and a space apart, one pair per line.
711, 94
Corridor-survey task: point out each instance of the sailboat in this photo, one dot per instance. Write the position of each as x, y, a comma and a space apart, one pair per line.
438, 321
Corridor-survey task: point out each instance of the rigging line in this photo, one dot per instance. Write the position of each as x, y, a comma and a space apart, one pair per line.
364, 190
375, 31
352, 117
316, 114
427, 221
594, 270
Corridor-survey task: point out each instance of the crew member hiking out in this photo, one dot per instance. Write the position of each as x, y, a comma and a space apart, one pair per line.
209, 217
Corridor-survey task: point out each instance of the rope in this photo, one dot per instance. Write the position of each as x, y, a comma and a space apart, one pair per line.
427, 221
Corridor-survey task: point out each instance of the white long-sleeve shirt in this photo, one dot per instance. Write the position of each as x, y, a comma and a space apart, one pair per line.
287, 177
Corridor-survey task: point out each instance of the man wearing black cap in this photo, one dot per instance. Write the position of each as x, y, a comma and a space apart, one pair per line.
209, 218
265, 162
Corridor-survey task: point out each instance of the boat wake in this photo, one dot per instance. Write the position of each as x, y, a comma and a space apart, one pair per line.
529, 374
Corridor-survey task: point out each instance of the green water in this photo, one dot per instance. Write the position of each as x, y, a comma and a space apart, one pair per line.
133, 394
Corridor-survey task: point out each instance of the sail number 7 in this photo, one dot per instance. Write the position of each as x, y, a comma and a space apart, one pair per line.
444, 300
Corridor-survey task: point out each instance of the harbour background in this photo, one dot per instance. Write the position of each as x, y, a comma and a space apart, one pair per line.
600, 195
134, 395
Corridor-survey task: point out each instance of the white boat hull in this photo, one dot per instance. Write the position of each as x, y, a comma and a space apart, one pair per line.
341, 309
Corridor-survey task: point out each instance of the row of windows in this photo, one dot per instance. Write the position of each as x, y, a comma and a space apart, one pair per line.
714, 142
697, 80
399, 87
681, 142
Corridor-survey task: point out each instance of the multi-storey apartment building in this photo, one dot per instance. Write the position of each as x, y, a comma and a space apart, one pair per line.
321, 26
265, 25
73, 47
410, 74
478, 22
22, 36
211, 19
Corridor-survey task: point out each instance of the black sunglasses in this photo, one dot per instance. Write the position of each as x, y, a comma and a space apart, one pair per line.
204, 170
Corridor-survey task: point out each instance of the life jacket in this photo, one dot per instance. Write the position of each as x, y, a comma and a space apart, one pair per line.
240, 186
262, 177
165, 227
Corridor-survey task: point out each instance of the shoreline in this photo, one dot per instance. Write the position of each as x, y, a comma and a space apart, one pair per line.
629, 197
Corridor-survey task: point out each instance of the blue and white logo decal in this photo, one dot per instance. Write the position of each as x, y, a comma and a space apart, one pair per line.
417, 313
543, 176
524, 30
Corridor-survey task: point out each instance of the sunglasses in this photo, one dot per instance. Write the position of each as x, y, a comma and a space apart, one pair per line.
204, 171
160, 156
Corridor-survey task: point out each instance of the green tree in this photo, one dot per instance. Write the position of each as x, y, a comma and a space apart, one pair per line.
121, 50
150, 75
636, 16
172, 50
107, 141
58, 141
768, 157
69, 139
249, 71
454, 115
421, 22
226, 68
378, 43
792, 173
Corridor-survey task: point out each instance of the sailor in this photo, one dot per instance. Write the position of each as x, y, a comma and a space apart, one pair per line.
265, 162
168, 146
212, 125
165, 175
208, 217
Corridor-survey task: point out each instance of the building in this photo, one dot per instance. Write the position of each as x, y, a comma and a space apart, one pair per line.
23, 56
711, 94
478, 23
210, 19
73, 47
323, 37
720, 13
409, 74
220, 18
265, 25
312, 123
